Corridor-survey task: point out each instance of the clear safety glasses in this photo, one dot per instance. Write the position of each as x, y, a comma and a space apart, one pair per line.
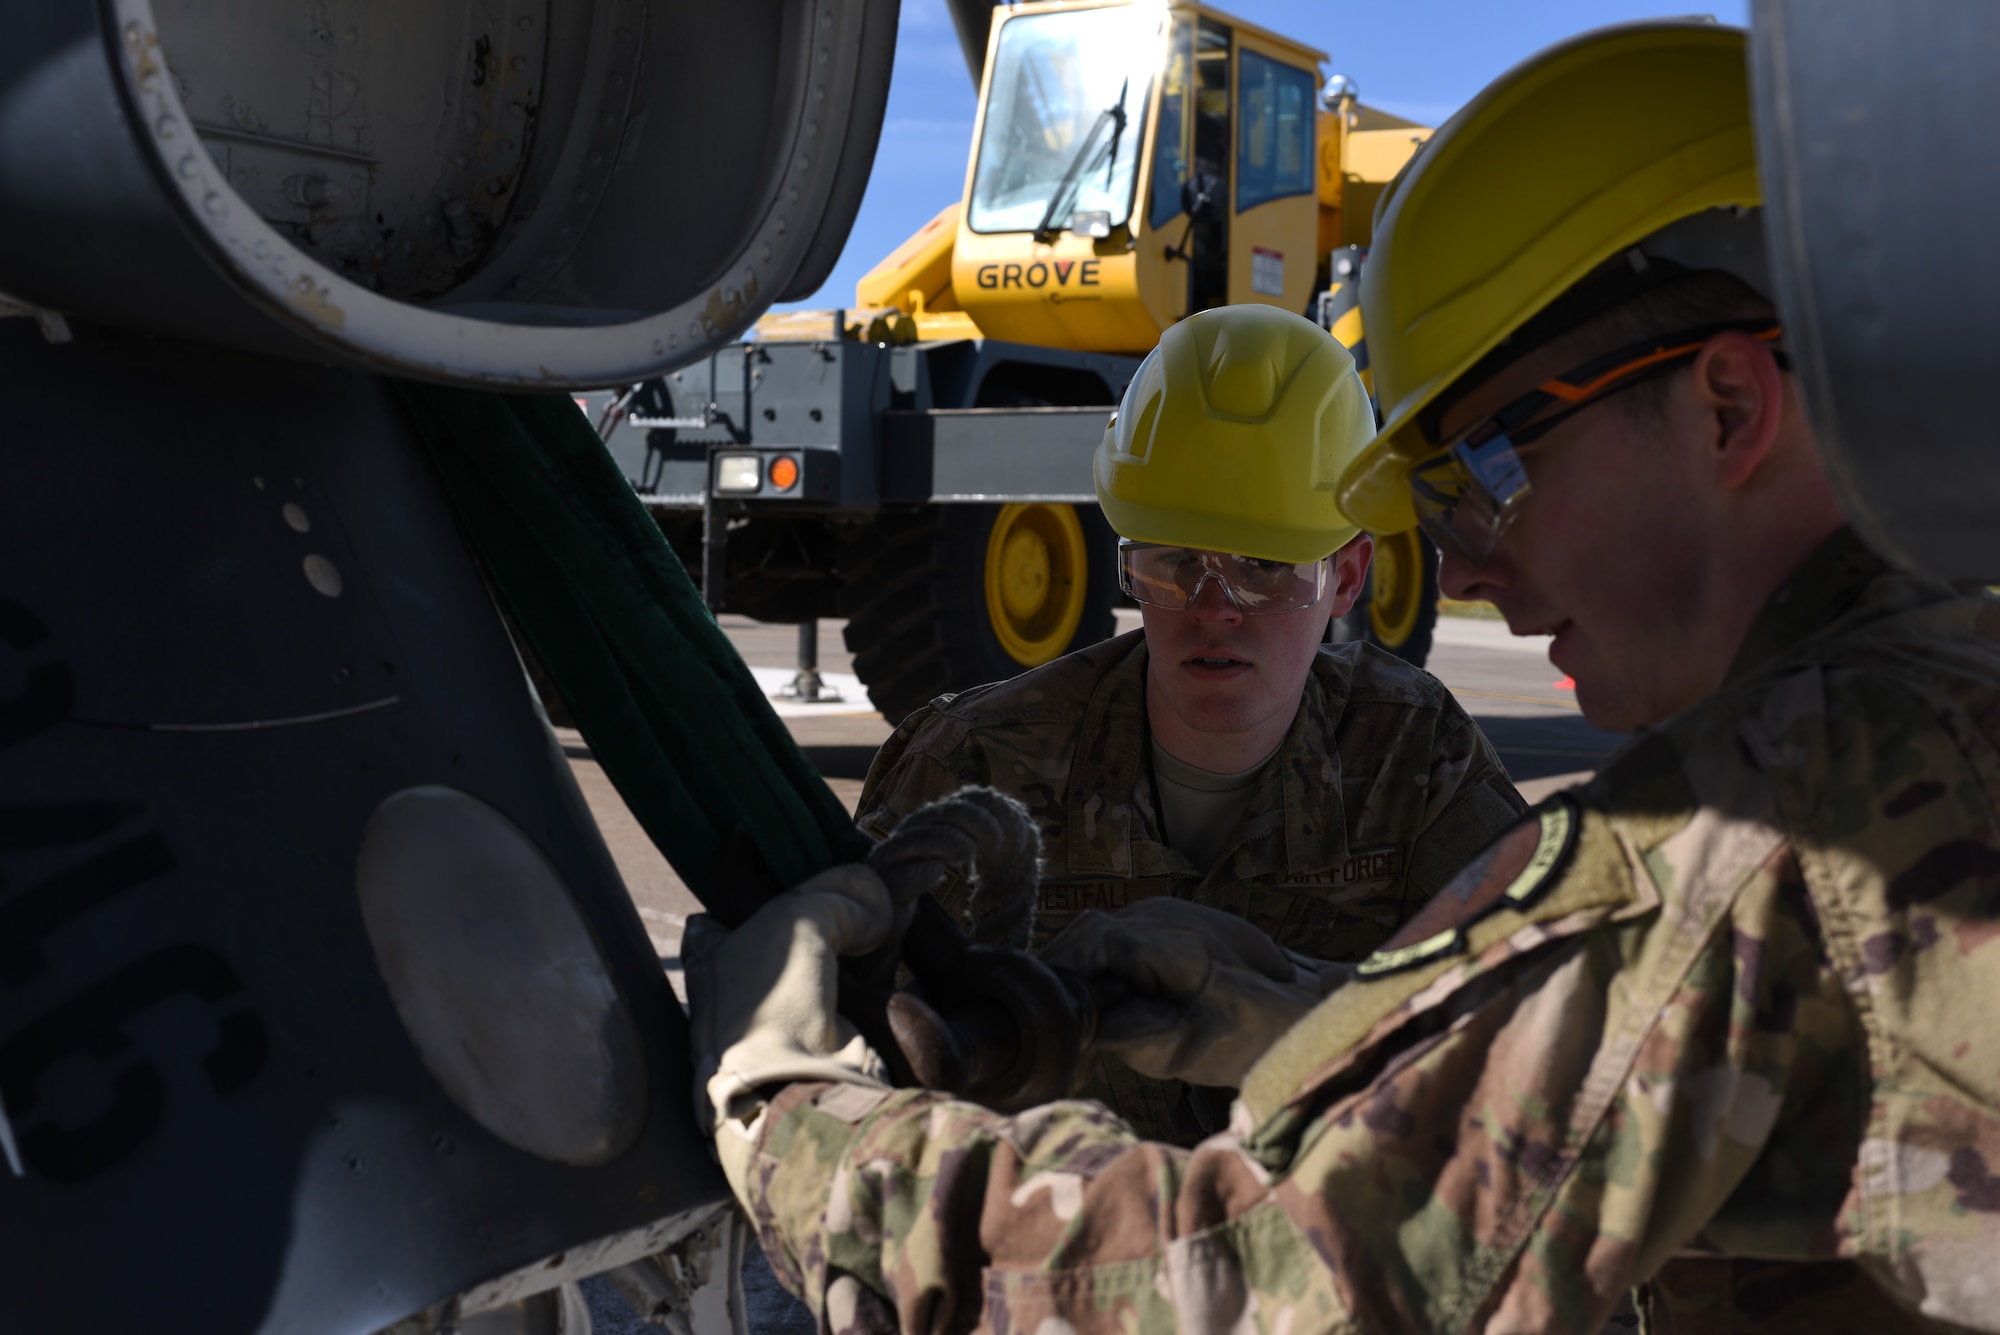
1468, 494
1171, 577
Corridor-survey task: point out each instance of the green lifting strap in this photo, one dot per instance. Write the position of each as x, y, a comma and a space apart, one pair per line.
668, 707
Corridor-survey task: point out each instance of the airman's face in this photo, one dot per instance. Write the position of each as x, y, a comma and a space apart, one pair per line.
1606, 554
1220, 671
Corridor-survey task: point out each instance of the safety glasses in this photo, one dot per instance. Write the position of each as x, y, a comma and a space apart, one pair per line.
1172, 577
1468, 495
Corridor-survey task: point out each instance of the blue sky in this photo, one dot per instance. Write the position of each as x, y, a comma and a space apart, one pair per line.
1417, 58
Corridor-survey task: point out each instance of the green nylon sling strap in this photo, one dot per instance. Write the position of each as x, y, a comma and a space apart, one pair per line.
668, 707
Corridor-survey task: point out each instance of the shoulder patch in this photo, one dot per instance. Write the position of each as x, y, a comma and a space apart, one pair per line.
1563, 864
1513, 873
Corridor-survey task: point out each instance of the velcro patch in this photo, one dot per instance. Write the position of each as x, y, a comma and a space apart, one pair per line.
1557, 866
852, 1103
1512, 874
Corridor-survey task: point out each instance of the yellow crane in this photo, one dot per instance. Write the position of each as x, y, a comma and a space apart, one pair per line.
1132, 163
918, 463
1135, 162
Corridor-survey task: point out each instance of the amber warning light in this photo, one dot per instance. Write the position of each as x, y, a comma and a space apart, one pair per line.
784, 472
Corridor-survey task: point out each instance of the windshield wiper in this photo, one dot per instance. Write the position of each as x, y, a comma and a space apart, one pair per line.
1114, 116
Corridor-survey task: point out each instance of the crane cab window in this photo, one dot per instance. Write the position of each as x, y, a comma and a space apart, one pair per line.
1208, 269
1193, 137
1065, 116
1174, 141
1191, 156
1274, 153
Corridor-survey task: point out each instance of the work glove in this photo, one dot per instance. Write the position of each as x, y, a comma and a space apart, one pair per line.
1189, 992
761, 1001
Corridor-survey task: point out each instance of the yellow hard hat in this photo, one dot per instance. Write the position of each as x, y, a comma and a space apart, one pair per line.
1232, 436
1565, 161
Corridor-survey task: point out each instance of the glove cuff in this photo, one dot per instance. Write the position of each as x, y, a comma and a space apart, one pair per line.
735, 1092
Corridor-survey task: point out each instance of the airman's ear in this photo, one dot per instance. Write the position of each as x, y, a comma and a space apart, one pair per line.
1740, 396
1350, 573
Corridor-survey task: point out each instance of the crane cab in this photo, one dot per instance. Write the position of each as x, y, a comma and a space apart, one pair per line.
1134, 163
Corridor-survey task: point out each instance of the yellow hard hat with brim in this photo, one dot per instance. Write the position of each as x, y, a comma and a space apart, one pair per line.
1232, 436
1562, 163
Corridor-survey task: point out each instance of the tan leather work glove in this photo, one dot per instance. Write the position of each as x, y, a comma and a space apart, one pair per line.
1205, 991
761, 1002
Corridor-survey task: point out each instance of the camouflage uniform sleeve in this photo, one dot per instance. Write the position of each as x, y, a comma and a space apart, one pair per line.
906, 773
1471, 803
1545, 1098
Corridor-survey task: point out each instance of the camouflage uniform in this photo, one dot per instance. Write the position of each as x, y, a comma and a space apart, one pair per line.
1731, 1000
1382, 789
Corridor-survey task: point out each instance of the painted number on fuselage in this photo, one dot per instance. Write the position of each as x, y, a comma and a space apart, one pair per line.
114, 851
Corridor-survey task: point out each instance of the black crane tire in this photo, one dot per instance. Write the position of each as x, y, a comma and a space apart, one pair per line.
914, 591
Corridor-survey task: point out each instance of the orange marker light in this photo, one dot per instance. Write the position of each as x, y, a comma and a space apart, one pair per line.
784, 472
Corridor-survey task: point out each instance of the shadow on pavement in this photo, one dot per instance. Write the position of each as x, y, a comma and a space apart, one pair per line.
1535, 748
841, 762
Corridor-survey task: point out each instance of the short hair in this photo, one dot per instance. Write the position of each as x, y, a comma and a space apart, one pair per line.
1705, 299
